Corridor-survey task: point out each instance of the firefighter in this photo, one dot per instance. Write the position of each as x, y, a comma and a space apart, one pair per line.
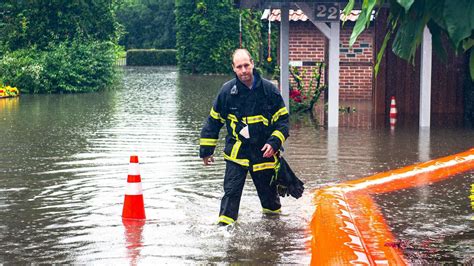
256, 120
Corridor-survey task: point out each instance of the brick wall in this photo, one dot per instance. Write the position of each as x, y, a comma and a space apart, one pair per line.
308, 44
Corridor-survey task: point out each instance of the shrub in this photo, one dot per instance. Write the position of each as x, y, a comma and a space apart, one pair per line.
71, 66
151, 57
23, 68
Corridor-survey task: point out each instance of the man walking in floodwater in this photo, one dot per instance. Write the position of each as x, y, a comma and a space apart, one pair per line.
256, 119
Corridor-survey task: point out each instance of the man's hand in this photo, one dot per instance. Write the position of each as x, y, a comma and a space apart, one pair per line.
267, 151
208, 160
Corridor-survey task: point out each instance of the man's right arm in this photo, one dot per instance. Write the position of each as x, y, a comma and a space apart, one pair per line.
210, 132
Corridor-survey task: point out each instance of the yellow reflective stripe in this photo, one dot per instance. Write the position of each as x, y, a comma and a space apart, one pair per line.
276, 116
226, 219
233, 120
278, 134
232, 117
263, 166
243, 162
266, 165
208, 142
234, 133
271, 211
216, 115
255, 119
235, 149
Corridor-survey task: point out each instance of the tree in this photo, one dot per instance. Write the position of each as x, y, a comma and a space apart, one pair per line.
147, 24
207, 31
408, 18
40, 23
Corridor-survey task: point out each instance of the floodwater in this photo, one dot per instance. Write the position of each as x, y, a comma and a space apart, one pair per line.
64, 163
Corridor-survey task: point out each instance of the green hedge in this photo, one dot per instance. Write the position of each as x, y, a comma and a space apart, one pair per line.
151, 57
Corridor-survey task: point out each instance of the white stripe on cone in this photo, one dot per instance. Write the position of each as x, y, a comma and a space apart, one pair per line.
393, 110
134, 169
134, 189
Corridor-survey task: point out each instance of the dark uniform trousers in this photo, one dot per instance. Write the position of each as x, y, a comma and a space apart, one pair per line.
234, 181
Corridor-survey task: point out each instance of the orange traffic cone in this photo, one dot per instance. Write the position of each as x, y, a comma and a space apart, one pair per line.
393, 112
133, 206
393, 108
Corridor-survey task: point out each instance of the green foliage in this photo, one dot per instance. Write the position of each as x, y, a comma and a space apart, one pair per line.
58, 45
207, 32
407, 19
22, 68
39, 23
303, 98
151, 57
74, 66
269, 66
251, 34
147, 24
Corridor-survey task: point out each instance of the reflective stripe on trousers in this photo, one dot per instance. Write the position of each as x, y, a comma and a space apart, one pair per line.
234, 181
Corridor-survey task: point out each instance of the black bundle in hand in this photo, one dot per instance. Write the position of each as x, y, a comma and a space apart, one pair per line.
288, 184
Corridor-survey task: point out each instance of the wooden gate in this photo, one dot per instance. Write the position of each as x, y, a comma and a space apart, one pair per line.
401, 79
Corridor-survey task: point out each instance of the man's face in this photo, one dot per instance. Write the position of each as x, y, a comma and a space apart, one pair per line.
243, 67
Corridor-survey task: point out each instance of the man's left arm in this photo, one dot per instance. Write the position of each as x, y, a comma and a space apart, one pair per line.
280, 124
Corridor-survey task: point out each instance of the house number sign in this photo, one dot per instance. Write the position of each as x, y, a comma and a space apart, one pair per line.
326, 11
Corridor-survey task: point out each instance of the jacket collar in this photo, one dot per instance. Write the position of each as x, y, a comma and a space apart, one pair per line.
257, 80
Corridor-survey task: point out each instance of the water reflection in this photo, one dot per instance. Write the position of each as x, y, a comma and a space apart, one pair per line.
332, 149
424, 144
64, 171
7, 105
133, 239
423, 156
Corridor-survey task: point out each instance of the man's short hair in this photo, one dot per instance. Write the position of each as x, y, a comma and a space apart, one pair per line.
241, 50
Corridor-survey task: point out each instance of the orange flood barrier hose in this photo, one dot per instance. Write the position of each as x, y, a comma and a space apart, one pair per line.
349, 229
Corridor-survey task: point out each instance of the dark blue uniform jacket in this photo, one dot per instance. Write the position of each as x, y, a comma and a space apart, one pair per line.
261, 109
